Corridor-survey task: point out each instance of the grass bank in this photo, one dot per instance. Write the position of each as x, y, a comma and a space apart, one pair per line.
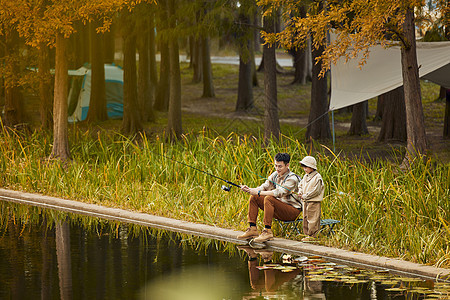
383, 210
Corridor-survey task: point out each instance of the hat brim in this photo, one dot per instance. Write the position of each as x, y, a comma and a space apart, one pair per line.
309, 166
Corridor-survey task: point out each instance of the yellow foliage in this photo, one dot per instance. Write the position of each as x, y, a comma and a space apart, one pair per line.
357, 25
39, 21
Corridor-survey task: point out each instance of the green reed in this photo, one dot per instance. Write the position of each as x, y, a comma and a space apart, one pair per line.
383, 210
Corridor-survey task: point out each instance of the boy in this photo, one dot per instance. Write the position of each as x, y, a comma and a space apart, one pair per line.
311, 190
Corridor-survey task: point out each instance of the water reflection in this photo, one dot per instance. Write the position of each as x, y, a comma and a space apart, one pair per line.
50, 255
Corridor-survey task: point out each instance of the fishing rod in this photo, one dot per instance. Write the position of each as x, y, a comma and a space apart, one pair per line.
224, 187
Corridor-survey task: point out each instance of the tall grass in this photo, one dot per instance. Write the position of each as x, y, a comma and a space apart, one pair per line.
382, 209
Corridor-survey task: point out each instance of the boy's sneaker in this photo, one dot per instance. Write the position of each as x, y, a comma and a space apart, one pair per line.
250, 233
266, 235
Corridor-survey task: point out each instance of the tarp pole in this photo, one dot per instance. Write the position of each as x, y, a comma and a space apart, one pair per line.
332, 126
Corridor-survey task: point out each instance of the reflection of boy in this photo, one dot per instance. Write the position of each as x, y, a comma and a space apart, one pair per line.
311, 190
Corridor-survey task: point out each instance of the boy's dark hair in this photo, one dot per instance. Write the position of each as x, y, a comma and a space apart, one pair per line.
284, 157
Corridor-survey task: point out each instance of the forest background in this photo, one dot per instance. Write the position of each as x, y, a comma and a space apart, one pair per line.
225, 119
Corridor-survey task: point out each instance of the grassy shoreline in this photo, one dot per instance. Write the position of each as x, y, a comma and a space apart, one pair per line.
383, 210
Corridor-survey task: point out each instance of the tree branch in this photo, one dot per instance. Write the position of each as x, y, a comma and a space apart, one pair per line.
394, 30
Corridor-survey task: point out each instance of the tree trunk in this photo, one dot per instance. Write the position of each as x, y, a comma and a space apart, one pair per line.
64, 260
13, 109
393, 126
299, 57
144, 90
174, 126
152, 54
447, 115
131, 122
442, 92
45, 88
252, 61
208, 85
318, 121
162, 94
60, 132
256, 30
299, 62
380, 108
415, 125
191, 41
261, 63
97, 104
359, 115
309, 61
79, 46
197, 61
109, 45
271, 121
245, 86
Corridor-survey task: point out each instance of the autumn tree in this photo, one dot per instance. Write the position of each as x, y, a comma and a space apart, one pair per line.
359, 25
54, 27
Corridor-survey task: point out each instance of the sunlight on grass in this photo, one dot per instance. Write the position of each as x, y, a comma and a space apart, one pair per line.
382, 210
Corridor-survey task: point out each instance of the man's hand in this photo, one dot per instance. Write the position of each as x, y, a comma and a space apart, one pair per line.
245, 188
251, 191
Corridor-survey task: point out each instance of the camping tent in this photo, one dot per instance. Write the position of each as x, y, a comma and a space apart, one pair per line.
382, 72
80, 92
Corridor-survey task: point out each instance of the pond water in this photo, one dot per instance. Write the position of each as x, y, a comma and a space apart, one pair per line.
51, 255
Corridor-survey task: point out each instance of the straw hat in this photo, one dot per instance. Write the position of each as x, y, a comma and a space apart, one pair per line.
309, 161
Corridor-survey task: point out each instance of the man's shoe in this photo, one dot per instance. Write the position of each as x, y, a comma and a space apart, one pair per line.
266, 235
250, 233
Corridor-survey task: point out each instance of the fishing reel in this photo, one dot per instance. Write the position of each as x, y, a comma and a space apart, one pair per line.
226, 188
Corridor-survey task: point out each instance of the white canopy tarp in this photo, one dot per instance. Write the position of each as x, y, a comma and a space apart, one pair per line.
382, 72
